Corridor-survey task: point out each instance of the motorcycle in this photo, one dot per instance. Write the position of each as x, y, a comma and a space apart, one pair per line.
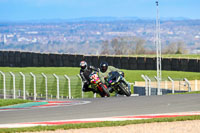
98, 85
118, 84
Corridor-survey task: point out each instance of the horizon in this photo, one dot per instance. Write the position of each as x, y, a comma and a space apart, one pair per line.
28, 10
96, 19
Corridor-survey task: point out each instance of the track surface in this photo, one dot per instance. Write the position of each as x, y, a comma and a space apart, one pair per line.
106, 107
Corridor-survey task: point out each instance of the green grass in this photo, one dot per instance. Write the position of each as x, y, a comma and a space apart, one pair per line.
70, 71
6, 102
131, 75
98, 124
135, 75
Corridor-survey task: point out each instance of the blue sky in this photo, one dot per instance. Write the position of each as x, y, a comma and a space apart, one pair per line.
17, 10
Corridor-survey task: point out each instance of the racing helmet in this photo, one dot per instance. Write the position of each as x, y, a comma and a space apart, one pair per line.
103, 66
83, 65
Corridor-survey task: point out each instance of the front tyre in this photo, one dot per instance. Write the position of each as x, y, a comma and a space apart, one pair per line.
105, 90
124, 88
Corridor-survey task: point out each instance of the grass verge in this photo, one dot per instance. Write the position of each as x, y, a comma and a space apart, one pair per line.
6, 102
98, 124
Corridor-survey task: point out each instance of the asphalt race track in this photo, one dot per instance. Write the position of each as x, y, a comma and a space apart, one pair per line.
105, 107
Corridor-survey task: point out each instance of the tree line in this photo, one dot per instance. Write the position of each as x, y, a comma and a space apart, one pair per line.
136, 46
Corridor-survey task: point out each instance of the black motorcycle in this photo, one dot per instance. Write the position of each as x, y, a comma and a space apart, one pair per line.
118, 84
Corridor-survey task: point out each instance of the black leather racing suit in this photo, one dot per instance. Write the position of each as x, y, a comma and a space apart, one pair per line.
86, 79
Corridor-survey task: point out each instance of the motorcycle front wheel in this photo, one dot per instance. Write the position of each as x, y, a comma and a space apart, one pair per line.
124, 88
105, 90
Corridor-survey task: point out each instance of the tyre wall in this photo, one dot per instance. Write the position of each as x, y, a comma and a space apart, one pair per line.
31, 59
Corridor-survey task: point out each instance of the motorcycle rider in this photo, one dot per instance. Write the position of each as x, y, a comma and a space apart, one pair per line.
85, 71
105, 69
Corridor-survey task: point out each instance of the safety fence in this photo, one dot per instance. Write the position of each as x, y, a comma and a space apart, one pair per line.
167, 85
40, 86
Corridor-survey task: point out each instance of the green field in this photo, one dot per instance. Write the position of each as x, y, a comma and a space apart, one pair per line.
130, 75
6, 102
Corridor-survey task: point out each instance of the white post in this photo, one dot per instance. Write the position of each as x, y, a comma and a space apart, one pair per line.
4, 85
46, 87
81, 85
69, 86
196, 85
188, 83
146, 84
58, 91
24, 85
149, 84
158, 86
34, 85
172, 84
14, 88
158, 50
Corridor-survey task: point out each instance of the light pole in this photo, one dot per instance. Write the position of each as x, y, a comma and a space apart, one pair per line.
158, 49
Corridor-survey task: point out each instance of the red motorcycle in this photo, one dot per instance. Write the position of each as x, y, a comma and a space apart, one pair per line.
98, 85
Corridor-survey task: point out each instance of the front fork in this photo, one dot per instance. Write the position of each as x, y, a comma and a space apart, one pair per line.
127, 83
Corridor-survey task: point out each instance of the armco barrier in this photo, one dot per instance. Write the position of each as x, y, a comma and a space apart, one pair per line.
30, 59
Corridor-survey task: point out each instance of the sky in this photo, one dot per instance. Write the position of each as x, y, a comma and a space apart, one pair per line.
23, 10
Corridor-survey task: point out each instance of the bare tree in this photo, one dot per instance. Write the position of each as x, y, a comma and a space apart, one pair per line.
140, 49
181, 48
175, 48
105, 49
170, 49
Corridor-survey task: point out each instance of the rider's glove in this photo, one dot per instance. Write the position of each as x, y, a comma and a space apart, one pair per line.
122, 73
93, 68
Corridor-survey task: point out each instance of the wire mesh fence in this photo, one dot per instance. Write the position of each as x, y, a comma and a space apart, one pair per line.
41, 86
